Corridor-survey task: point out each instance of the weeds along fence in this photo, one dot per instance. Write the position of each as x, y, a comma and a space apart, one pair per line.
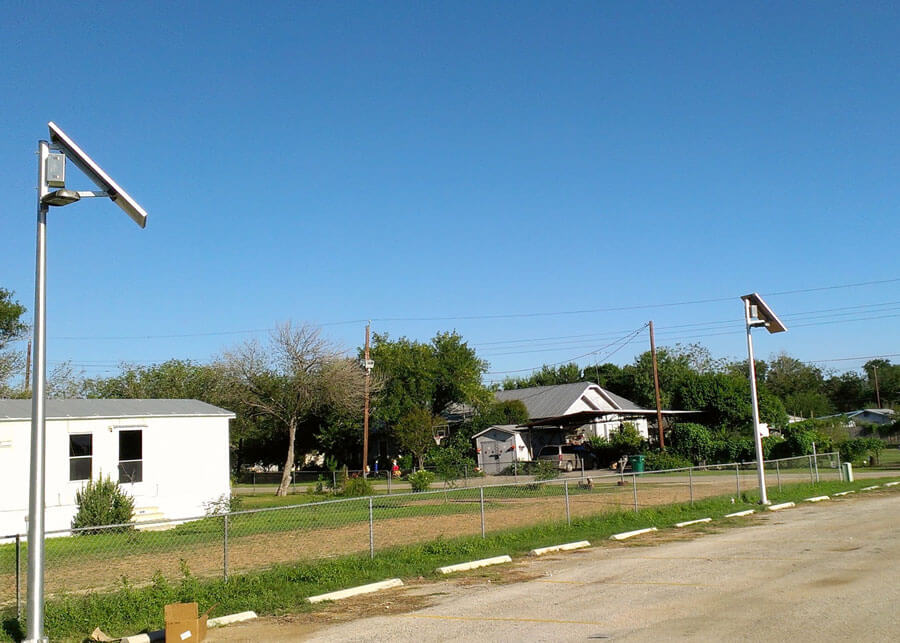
222, 544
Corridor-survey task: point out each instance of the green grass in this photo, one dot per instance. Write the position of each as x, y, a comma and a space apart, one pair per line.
129, 609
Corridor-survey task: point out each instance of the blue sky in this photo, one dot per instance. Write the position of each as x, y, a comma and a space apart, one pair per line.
454, 165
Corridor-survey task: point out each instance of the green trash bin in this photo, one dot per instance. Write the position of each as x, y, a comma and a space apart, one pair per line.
637, 463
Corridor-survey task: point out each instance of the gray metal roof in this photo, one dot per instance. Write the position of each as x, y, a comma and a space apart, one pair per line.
83, 409
553, 401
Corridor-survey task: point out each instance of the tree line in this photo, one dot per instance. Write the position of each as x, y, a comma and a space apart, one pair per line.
295, 392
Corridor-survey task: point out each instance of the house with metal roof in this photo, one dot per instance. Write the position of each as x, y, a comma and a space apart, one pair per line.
171, 456
602, 411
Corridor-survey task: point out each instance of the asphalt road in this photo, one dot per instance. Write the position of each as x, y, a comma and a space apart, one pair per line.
823, 572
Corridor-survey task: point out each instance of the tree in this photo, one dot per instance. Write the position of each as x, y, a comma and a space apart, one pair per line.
415, 433
292, 382
11, 328
888, 376
417, 375
172, 379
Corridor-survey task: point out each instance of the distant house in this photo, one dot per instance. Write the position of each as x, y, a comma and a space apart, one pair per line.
170, 455
861, 418
602, 410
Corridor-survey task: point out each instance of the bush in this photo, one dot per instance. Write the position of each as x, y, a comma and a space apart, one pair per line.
357, 487
222, 505
544, 470
420, 480
692, 441
100, 503
665, 460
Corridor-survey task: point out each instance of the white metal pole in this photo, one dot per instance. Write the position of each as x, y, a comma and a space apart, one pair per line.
763, 497
34, 609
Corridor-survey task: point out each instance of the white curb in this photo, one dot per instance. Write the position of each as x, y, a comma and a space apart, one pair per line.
870, 488
484, 562
891, 484
692, 522
629, 534
783, 505
353, 591
843, 493
816, 499
231, 618
546, 550
738, 514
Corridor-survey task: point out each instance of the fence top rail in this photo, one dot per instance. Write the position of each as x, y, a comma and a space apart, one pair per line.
414, 494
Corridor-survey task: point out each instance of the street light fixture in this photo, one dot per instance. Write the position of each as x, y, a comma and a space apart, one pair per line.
757, 313
52, 174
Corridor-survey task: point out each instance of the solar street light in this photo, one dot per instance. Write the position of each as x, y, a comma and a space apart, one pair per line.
758, 314
52, 174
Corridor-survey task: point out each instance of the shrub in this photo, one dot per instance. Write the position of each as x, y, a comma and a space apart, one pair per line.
222, 505
100, 503
692, 441
544, 470
665, 460
420, 480
357, 487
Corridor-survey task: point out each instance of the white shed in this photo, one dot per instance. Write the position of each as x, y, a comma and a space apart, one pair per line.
498, 447
170, 455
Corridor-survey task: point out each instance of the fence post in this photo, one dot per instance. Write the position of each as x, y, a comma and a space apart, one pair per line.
568, 513
634, 490
18, 577
778, 473
254, 482
812, 480
516, 469
816, 462
691, 483
839, 467
737, 476
334, 483
481, 493
466, 473
225, 547
371, 530
390, 475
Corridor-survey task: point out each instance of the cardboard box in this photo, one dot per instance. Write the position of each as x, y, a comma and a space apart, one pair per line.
184, 624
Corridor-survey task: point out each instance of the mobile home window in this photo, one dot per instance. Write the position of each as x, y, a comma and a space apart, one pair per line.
131, 461
81, 451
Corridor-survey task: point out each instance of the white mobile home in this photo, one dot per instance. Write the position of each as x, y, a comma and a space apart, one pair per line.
170, 455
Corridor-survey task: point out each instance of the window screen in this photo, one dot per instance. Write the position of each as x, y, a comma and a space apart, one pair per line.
131, 457
81, 451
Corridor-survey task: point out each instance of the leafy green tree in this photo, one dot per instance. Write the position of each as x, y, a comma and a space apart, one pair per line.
11, 328
692, 441
800, 386
546, 376
416, 375
888, 376
415, 433
847, 392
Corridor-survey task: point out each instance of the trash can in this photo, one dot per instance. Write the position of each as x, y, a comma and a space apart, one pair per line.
637, 463
848, 471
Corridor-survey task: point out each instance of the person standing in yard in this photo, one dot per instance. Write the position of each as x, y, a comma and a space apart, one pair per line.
395, 468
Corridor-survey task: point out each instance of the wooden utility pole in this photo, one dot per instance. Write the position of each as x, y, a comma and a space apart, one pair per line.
877, 393
28, 366
368, 366
659, 423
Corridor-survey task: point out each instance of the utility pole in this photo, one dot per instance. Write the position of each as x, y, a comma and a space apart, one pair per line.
877, 392
368, 366
28, 365
659, 423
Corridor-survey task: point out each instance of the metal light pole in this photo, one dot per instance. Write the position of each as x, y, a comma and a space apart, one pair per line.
757, 313
51, 173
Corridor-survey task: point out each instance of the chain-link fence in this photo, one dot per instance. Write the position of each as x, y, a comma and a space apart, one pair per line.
240, 541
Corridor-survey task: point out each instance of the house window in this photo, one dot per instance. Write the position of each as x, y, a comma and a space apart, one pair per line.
81, 451
131, 460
